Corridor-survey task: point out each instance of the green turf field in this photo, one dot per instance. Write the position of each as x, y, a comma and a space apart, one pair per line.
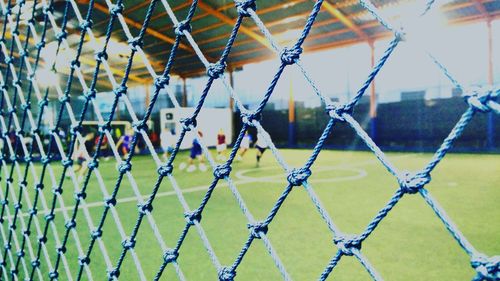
410, 244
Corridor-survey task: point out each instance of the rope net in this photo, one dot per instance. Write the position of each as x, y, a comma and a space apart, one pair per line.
35, 248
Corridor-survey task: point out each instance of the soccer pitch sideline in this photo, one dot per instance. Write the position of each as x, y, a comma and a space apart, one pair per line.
410, 244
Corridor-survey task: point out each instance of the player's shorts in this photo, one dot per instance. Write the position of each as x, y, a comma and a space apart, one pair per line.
245, 143
221, 147
80, 160
261, 149
195, 151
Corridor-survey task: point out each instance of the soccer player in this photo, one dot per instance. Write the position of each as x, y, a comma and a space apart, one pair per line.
196, 152
125, 142
105, 148
244, 146
81, 159
261, 146
221, 145
166, 141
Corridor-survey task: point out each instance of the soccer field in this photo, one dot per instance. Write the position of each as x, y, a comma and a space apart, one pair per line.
410, 244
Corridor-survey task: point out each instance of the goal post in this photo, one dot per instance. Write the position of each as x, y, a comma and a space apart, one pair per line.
210, 122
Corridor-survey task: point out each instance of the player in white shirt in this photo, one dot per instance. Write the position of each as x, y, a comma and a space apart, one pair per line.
261, 146
166, 139
244, 146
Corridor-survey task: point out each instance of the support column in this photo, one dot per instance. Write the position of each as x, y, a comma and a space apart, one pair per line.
231, 82
291, 116
490, 125
373, 97
231, 106
184, 92
147, 98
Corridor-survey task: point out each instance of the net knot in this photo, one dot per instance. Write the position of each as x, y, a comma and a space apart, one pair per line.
193, 217
135, 42
297, 176
86, 24
188, 123
290, 55
242, 7
49, 217
165, 170
84, 260
145, 208
103, 128
121, 90
76, 128
110, 201
90, 94
67, 162
124, 167
39, 186
25, 106
64, 99
249, 118
113, 273
61, 249
347, 244
16, 83
487, 268
80, 195
336, 111
96, 234
478, 98
140, 126
222, 171
20, 253
8, 60
181, 27
215, 70
411, 183
400, 34
61, 35
170, 255
70, 224
116, 9
7, 246
226, 274
162, 81
48, 9
53, 274
45, 160
23, 52
93, 164
57, 190
101, 55
35, 263
128, 244
18, 206
40, 45
257, 229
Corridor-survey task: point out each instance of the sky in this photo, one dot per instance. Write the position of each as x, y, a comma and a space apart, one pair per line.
340, 72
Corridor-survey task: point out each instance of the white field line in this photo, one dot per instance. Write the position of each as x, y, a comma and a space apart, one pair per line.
242, 179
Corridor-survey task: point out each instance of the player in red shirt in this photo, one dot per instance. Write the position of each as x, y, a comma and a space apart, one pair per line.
221, 145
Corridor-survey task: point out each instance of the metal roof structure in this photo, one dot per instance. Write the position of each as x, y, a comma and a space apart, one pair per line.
340, 23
